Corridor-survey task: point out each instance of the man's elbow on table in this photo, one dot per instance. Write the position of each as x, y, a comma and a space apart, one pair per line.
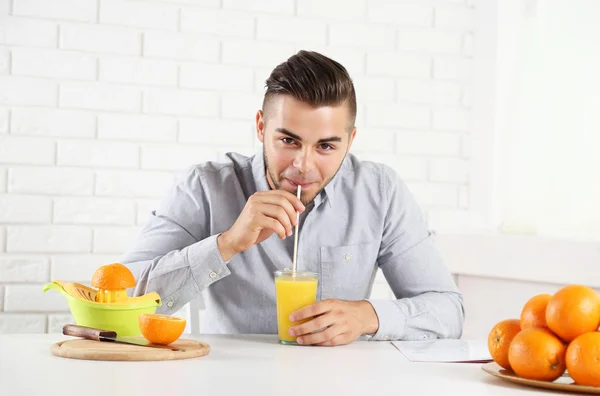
453, 327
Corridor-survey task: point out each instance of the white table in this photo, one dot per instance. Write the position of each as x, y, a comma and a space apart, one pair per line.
241, 365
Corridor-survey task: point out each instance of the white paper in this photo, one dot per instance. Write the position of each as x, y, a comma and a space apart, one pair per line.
444, 350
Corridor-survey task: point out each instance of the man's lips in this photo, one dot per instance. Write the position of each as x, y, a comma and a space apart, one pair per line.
301, 183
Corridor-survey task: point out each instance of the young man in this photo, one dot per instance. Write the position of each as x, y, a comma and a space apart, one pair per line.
226, 227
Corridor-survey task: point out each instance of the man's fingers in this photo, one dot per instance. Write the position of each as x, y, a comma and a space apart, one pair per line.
309, 311
280, 197
340, 339
270, 223
277, 213
318, 323
279, 200
321, 337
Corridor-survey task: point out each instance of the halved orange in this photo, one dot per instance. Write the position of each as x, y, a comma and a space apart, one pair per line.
112, 282
113, 276
161, 329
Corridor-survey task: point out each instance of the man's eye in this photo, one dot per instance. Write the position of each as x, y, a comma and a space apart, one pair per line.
326, 146
287, 140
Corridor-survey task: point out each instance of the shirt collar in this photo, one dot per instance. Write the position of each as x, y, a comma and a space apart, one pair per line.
259, 172
328, 192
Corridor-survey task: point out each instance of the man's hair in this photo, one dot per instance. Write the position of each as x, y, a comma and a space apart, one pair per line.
314, 79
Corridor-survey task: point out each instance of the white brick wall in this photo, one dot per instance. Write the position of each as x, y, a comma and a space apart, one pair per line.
15, 209
52, 122
29, 32
113, 240
398, 64
223, 78
132, 183
181, 103
4, 61
78, 267
103, 103
23, 323
57, 321
138, 71
24, 269
26, 150
2, 181
48, 239
29, 298
222, 23
138, 14
94, 211
400, 14
53, 64
99, 96
180, 46
4, 120
27, 91
136, 128
50, 180
2, 239
76, 10
97, 154
100, 39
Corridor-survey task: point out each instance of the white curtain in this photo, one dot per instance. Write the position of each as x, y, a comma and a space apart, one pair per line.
548, 118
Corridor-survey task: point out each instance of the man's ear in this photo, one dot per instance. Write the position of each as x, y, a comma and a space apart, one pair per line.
351, 139
260, 126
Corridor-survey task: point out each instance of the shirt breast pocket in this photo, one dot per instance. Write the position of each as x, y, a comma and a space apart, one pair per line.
347, 272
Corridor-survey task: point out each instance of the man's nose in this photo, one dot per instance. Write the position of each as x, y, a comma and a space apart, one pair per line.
303, 162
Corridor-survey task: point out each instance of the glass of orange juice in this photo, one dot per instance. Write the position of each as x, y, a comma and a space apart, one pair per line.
293, 290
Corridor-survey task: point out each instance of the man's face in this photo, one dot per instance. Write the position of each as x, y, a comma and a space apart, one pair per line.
303, 145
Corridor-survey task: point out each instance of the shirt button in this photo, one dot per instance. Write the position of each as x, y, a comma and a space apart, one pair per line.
212, 274
348, 257
385, 337
170, 304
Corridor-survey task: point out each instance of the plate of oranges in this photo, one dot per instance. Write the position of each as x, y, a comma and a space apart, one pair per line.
554, 344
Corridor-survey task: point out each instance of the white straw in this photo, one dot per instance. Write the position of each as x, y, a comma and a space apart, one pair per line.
296, 235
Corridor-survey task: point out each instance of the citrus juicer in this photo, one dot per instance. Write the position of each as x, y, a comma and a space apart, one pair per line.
105, 309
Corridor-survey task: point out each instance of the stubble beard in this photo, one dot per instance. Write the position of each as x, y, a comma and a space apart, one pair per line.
278, 185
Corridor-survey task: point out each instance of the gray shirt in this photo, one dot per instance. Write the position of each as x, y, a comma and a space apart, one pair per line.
364, 219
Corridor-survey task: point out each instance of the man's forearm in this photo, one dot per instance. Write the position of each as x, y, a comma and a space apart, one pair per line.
428, 315
177, 275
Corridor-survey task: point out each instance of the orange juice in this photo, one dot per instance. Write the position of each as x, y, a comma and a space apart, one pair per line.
292, 292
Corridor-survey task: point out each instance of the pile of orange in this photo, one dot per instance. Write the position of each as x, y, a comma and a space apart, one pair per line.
112, 281
555, 332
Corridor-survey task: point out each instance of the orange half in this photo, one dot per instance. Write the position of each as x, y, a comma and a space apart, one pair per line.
161, 329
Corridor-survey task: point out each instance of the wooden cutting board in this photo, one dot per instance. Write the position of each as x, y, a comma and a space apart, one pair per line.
101, 350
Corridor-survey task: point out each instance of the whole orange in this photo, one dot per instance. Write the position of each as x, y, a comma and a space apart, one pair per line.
161, 329
583, 359
573, 310
537, 354
534, 311
499, 340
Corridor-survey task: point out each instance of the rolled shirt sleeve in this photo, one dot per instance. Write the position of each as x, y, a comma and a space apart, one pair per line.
174, 255
428, 304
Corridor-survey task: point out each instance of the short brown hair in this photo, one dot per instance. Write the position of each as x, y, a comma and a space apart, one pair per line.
313, 78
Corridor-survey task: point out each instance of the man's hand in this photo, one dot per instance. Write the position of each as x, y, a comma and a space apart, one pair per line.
265, 213
343, 322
